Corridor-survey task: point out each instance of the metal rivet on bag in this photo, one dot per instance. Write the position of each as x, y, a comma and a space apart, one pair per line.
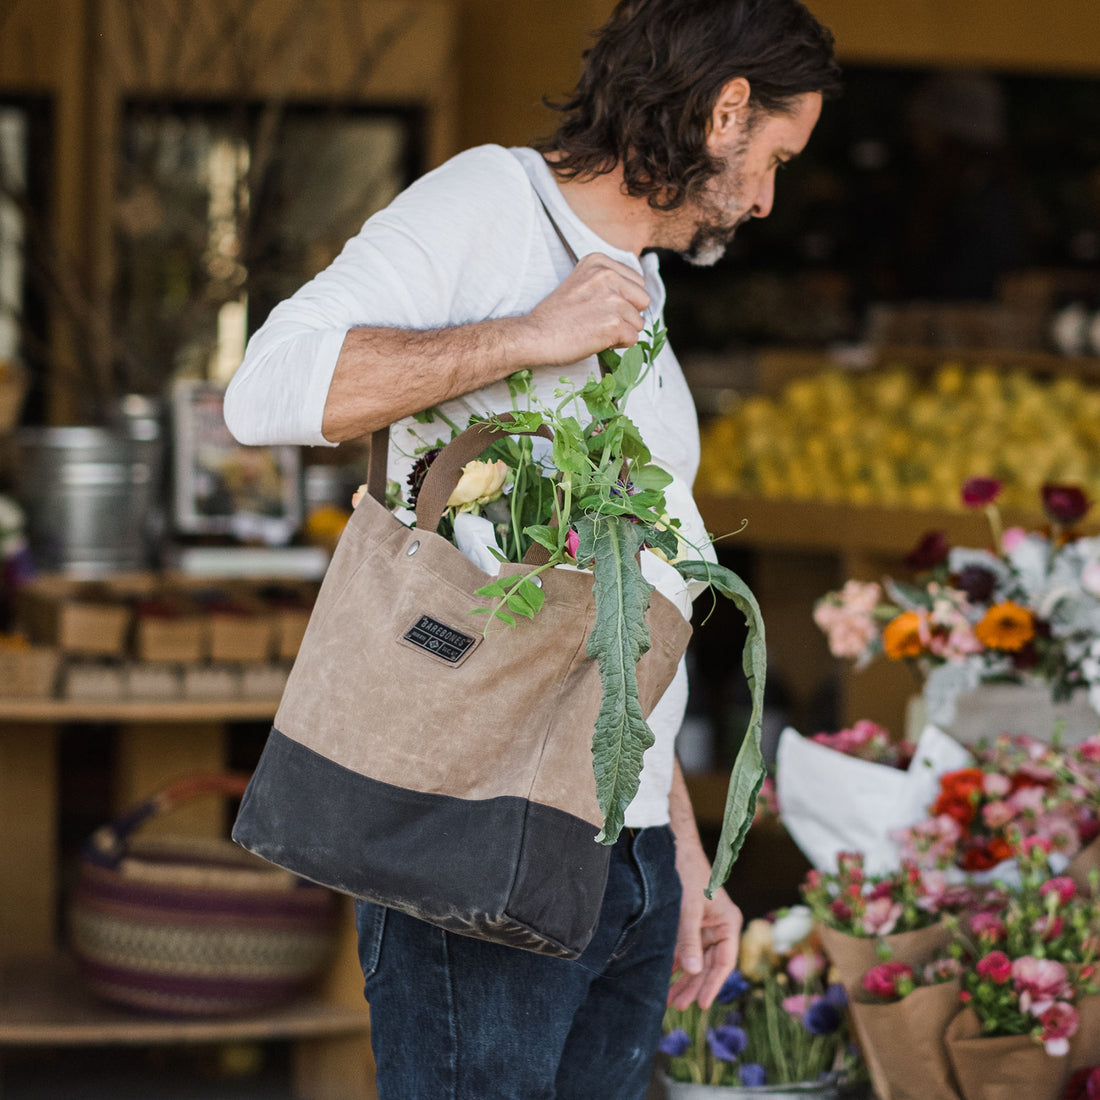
413, 547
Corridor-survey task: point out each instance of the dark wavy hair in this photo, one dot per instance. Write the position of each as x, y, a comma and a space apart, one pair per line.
649, 85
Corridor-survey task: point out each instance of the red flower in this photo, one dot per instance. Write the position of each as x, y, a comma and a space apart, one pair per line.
889, 979
1064, 504
980, 491
984, 857
996, 966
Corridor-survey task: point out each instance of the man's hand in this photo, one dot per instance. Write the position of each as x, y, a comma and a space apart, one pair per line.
710, 929
709, 935
598, 306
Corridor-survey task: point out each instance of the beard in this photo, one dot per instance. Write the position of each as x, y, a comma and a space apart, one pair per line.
710, 241
720, 195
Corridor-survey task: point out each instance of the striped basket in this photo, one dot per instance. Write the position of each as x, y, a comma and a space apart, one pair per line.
183, 926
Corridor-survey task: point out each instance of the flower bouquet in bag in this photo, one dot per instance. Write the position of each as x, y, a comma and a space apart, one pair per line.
589, 496
900, 1014
866, 919
1028, 980
776, 1021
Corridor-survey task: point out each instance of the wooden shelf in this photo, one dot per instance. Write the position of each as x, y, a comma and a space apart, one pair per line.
43, 1003
815, 525
129, 710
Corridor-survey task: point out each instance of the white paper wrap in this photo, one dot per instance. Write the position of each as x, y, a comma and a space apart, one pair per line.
831, 802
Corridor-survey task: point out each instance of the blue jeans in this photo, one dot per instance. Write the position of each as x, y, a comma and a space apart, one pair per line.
453, 1018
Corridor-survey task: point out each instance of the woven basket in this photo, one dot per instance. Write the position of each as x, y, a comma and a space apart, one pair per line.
184, 926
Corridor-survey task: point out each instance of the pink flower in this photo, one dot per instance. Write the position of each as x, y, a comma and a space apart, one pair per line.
805, 966
1048, 928
889, 979
1039, 982
987, 926
997, 814
1063, 886
996, 785
797, 1004
881, 916
847, 618
1012, 538
572, 543
996, 966
1027, 800
1059, 1025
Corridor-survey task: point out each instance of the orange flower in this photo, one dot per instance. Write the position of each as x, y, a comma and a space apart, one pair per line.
1006, 626
903, 636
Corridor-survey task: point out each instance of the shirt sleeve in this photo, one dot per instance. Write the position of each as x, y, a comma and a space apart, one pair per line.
441, 254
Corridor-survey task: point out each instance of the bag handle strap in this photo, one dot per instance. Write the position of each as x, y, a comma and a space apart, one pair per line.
446, 468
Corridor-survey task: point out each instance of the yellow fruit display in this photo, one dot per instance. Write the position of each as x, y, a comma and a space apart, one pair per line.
899, 438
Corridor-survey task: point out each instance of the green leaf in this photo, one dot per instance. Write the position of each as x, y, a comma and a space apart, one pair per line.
519, 383
663, 539
609, 359
544, 535
748, 768
628, 369
570, 451
618, 638
649, 477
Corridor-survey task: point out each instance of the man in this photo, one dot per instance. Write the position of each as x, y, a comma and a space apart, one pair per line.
684, 112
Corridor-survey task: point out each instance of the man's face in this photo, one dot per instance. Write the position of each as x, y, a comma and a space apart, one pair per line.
751, 153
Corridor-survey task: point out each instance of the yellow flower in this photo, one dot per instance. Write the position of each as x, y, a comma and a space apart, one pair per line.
756, 959
480, 483
1006, 626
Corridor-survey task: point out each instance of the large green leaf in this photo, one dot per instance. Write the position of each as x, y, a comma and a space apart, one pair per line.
618, 638
748, 769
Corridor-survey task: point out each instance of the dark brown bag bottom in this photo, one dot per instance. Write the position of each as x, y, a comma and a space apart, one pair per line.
505, 866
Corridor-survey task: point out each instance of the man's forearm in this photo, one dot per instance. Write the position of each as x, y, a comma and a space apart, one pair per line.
682, 816
384, 374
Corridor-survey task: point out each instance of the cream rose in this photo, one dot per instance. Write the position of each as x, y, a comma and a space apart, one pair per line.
480, 483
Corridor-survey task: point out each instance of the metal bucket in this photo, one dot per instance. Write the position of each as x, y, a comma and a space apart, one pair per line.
90, 495
804, 1090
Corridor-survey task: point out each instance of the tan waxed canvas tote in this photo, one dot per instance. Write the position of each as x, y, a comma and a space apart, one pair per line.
424, 763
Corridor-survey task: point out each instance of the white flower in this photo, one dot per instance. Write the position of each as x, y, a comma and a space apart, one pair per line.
790, 929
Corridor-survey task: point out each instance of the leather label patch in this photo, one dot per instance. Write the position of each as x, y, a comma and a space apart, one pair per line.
439, 639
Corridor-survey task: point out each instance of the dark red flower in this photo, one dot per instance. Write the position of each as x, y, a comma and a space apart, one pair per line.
1065, 504
1084, 1084
980, 491
932, 550
976, 582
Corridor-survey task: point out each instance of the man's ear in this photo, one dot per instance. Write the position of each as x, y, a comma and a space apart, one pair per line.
731, 108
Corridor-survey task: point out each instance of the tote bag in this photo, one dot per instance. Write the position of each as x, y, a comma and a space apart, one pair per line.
422, 762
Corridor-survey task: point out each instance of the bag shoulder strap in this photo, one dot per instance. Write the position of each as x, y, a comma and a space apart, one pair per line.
378, 450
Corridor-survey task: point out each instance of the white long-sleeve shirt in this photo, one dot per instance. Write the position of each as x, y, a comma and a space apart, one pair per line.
466, 243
